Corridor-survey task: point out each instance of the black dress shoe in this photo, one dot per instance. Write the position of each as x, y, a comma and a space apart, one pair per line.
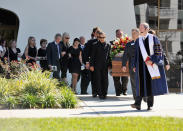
124, 93
145, 99
117, 94
102, 97
94, 95
149, 108
135, 106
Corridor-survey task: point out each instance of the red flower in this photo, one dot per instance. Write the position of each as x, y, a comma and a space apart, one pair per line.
33, 67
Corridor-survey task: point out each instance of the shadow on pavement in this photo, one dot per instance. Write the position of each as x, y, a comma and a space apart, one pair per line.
109, 98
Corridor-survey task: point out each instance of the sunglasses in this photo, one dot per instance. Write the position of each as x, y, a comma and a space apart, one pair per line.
67, 38
102, 37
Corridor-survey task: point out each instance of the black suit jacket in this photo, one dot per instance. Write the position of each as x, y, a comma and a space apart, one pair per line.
65, 58
129, 54
100, 57
88, 49
52, 54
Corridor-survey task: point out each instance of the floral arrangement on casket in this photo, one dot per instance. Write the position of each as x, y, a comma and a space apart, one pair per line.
118, 46
117, 50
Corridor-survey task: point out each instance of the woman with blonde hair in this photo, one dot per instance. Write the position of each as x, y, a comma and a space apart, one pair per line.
65, 57
31, 50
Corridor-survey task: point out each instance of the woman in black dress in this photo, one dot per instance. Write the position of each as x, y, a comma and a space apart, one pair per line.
65, 57
31, 51
12, 53
42, 55
75, 55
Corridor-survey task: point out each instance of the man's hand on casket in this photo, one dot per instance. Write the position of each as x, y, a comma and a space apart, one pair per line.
134, 69
87, 65
109, 68
92, 68
124, 68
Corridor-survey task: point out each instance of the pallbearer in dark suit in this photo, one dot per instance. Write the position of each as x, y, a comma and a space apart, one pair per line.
149, 67
54, 55
129, 55
99, 64
85, 73
88, 51
120, 83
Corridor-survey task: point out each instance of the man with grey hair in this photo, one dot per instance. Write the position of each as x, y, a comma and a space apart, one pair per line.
120, 83
85, 73
54, 55
129, 54
148, 65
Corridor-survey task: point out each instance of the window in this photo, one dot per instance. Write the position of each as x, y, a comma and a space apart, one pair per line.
164, 23
165, 3
153, 23
180, 24
181, 45
180, 4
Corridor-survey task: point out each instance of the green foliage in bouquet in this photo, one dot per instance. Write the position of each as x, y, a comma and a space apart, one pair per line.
119, 45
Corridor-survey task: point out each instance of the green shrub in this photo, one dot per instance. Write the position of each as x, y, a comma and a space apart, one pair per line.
29, 101
10, 102
34, 89
49, 101
69, 99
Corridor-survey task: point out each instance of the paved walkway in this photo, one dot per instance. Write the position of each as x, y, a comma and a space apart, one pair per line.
167, 105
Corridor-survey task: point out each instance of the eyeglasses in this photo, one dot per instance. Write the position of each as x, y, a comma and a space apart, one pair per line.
102, 37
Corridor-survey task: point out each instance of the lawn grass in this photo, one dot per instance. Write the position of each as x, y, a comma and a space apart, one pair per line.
93, 124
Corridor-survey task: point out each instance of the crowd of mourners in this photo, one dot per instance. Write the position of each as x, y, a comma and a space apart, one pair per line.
90, 61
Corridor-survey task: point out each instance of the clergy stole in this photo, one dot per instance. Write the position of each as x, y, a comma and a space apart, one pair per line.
153, 69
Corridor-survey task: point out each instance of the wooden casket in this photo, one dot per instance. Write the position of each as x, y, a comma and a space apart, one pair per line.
117, 68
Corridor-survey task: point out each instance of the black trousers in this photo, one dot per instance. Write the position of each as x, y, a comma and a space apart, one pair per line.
64, 71
64, 66
85, 80
93, 84
101, 79
150, 101
120, 84
56, 74
132, 80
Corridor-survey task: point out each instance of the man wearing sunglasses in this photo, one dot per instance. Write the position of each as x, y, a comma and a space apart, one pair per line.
99, 64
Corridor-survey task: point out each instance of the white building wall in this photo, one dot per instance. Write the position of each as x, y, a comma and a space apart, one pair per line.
44, 18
